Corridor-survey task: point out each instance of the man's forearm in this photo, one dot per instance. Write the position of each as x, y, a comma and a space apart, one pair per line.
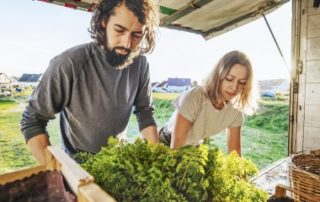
38, 144
150, 133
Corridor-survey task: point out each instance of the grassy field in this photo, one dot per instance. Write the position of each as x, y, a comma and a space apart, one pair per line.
264, 138
12, 146
261, 146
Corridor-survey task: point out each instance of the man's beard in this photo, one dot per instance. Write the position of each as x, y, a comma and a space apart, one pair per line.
120, 61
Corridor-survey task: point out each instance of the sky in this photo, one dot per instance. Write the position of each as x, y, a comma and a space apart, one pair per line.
33, 32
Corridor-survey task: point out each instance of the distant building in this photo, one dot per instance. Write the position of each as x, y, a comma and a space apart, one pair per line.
274, 85
154, 84
30, 80
5, 83
270, 88
178, 84
159, 87
14, 81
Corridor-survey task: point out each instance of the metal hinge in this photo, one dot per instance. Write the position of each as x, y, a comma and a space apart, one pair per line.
300, 67
295, 87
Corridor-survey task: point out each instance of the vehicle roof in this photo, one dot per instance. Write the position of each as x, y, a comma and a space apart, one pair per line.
208, 18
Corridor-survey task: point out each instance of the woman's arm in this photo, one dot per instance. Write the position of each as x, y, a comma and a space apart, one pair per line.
234, 140
181, 128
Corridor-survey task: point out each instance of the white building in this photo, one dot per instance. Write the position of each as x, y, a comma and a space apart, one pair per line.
4, 82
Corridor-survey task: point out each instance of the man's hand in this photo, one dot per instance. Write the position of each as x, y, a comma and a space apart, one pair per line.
150, 133
37, 145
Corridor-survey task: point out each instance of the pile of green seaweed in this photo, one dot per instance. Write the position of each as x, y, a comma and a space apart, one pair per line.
153, 172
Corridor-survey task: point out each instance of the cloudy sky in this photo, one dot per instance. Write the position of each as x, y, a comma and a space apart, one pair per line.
33, 32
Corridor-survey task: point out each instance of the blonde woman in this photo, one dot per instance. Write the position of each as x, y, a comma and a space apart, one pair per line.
219, 104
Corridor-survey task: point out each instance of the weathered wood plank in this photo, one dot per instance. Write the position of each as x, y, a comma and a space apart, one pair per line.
311, 9
313, 72
20, 174
312, 83
312, 138
295, 59
300, 127
313, 94
313, 45
312, 116
74, 174
314, 25
93, 193
302, 77
78, 179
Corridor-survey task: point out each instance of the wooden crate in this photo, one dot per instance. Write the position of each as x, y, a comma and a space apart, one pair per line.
81, 182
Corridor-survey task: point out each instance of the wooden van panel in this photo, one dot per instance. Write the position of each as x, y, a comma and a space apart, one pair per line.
313, 25
311, 9
313, 72
313, 45
312, 117
311, 138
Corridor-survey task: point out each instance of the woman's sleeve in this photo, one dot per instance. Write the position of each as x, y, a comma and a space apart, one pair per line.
188, 104
238, 120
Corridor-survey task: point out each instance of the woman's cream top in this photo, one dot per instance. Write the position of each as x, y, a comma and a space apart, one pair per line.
206, 120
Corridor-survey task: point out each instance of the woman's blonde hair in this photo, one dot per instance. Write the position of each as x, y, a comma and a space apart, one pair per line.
246, 101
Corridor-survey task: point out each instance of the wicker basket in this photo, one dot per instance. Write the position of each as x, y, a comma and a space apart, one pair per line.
304, 176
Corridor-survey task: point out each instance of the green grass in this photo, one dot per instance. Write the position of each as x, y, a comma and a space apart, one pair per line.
261, 146
272, 116
165, 96
14, 154
264, 136
163, 112
54, 131
7, 104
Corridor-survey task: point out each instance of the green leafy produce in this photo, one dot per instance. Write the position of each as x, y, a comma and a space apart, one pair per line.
147, 172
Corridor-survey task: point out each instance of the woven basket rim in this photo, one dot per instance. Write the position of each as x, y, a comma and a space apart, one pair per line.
292, 165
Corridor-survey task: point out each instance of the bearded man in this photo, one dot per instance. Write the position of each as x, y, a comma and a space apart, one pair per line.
96, 86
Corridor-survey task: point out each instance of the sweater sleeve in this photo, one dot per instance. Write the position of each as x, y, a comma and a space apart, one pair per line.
143, 104
48, 98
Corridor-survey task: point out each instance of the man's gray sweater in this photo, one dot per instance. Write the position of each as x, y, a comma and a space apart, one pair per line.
94, 98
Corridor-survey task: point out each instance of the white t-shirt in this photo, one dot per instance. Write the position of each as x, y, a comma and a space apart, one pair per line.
206, 120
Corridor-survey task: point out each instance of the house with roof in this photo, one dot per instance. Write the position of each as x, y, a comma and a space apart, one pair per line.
178, 85
14, 81
159, 87
5, 85
275, 85
269, 88
30, 80
4, 82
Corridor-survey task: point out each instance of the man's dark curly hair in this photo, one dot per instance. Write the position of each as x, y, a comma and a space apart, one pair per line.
145, 10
